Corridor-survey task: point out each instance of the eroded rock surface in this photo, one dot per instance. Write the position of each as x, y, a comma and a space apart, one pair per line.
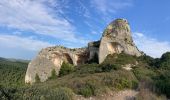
52, 58
115, 39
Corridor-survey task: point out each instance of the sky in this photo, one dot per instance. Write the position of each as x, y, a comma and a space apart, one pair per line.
27, 26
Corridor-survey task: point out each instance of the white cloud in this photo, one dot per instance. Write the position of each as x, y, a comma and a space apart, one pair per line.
37, 16
17, 46
30, 44
150, 46
94, 32
110, 6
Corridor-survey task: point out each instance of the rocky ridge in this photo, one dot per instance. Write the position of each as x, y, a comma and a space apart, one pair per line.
115, 39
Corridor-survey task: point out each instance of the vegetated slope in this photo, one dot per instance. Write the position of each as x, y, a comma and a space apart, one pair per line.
150, 77
12, 73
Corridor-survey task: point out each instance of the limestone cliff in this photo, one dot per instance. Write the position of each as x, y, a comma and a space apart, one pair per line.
115, 39
52, 58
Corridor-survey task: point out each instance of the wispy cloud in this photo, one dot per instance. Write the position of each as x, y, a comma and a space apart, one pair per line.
28, 43
83, 9
36, 16
150, 46
106, 9
14, 46
110, 6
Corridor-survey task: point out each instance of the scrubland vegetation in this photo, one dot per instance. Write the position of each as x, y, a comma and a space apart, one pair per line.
151, 77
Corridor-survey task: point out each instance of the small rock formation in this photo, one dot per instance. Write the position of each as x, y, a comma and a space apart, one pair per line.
116, 39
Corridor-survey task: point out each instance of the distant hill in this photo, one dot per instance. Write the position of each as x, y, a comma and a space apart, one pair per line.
14, 60
3, 59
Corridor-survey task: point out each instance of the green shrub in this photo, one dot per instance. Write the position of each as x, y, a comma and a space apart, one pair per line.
143, 73
135, 84
122, 83
161, 63
87, 90
163, 86
147, 59
96, 68
60, 94
120, 79
88, 69
163, 82
53, 74
44, 93
164, 62
66, 68
120, 59
166, 56
109, 67
8, 93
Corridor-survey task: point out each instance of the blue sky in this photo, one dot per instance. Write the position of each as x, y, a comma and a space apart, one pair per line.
27, 26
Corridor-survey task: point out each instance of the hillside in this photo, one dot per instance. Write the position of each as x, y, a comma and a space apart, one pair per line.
12, 72
150, 77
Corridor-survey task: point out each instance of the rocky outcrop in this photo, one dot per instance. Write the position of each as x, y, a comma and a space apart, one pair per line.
51, 58
116, 39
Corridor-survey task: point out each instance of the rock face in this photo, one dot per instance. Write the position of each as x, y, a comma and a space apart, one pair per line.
116, 39
51, 58
93, 48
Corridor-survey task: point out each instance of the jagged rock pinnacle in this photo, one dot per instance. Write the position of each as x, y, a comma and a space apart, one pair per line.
116, 39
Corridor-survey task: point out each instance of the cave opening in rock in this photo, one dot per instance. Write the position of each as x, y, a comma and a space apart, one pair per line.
68, 58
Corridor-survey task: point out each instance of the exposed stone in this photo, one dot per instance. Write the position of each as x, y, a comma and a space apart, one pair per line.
129, 66
40, 66
93, 48
52, 58
116, 39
